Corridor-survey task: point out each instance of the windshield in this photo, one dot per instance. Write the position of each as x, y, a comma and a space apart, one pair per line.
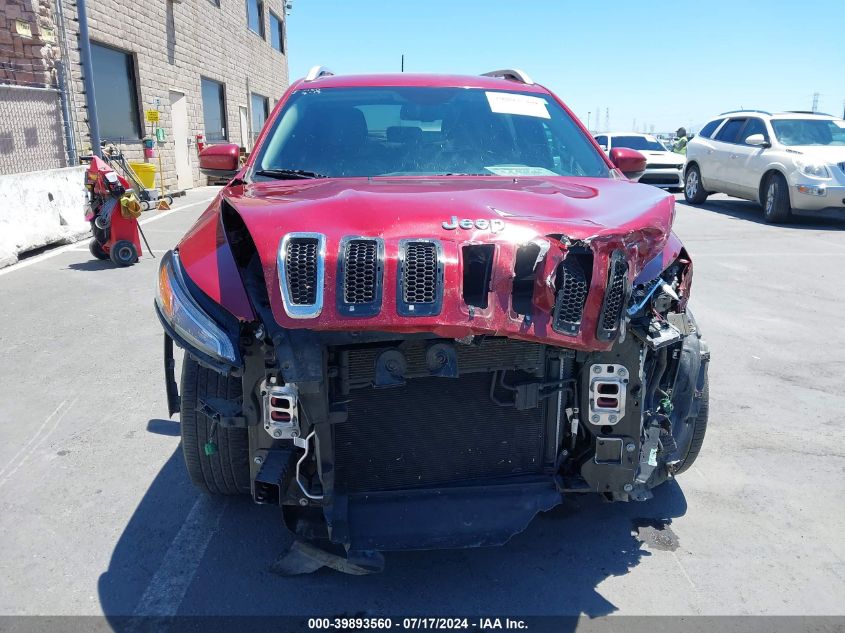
347, 132
809, 131
639, 142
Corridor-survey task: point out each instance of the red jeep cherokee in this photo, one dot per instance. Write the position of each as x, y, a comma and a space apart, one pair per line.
427, 308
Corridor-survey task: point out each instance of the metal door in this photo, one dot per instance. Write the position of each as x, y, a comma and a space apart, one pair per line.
182, 141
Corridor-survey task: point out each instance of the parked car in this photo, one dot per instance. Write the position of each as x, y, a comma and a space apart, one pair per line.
425, 309
792, 163
664, 168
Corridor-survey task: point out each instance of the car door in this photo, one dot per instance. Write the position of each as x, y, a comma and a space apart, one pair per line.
701, 150
748, 162
719, 173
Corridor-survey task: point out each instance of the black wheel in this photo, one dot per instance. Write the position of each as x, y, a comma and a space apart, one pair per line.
698, 431
775, 199
169, 200
217, 459
693, 189
97, 249
123, 253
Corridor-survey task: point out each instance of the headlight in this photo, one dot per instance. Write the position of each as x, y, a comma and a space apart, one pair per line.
187, 319
812, 169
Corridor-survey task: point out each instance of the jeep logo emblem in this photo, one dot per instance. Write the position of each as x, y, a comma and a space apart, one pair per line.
482, 224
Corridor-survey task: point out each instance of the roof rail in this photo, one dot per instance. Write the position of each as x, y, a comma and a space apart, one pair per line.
511, 74
735, 111
318, 71
806, 112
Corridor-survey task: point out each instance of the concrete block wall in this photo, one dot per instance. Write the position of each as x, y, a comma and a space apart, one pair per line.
40, 208
174, 45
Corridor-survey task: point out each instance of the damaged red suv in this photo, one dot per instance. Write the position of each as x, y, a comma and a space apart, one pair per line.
427, 308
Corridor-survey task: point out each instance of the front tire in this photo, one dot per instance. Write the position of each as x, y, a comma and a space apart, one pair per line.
776, 207
225, 471
698, 431
694, 192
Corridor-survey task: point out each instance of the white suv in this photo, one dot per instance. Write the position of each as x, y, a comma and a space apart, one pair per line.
792, 163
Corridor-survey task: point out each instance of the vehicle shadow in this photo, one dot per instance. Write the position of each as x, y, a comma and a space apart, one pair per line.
751, 212
553, 568
93, 264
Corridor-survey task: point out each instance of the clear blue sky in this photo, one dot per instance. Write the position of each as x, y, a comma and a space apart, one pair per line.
661, 63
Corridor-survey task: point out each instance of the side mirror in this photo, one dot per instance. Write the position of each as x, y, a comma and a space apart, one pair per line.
629, 161
220, 161
758, 140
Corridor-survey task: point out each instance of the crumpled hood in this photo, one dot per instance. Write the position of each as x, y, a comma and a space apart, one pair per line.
606, 214
581, 209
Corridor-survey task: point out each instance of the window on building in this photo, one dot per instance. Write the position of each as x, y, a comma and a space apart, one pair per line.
255, 16
116, 93
260, 112
214, 110
277, 33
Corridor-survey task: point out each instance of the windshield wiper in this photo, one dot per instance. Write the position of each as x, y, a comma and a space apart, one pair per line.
288, 174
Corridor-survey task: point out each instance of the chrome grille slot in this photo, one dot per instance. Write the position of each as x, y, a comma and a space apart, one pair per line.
301, 264
573, 283
420, 280
419, 285
614, 296
359, 283
360, 267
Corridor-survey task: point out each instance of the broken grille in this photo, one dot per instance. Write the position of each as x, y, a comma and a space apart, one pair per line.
614, 296
573, 286
301, 272
360, 276
420, 277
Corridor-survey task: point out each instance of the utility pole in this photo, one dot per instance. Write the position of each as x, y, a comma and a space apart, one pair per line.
88, 72
607, 119
588, 121
815, 102
403, 63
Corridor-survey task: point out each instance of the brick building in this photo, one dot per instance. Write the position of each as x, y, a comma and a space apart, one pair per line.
31, 134
211, 67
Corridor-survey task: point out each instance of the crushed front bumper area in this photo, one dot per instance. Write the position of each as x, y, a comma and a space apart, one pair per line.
409, 458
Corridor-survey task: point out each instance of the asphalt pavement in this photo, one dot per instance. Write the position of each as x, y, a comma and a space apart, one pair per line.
97, 515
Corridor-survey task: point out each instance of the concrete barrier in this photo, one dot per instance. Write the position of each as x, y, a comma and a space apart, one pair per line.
38, 208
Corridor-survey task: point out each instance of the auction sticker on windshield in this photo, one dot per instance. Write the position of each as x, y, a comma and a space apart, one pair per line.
511, 103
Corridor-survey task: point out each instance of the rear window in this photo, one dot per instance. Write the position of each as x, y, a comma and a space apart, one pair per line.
418, 131
707, 130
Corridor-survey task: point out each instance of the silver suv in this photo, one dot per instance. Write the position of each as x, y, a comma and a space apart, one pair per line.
791, 163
